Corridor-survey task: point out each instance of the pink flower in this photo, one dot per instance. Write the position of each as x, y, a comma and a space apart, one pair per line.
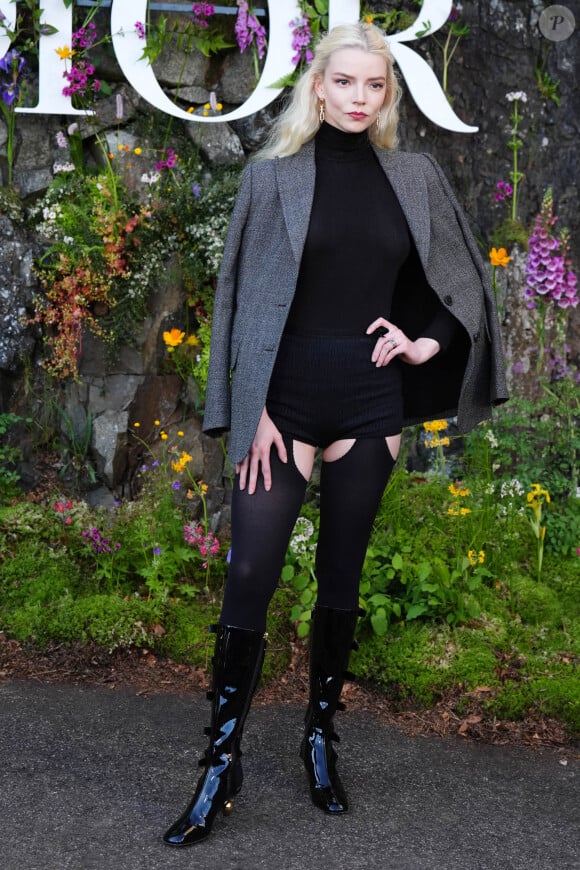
548, 269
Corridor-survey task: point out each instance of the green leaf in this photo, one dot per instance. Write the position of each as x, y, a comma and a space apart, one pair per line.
378, 600
287, 81
397, 562
379, 624
300, 582
296, 613
287, 573
303, 629
423, 571
415, 610
307, 597
48, 29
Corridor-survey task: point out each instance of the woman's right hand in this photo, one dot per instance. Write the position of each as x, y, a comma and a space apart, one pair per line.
259, 455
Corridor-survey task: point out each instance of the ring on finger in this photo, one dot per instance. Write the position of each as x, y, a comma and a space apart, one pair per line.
392, 342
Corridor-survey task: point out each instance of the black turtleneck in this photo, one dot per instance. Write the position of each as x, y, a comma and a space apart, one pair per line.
357, 242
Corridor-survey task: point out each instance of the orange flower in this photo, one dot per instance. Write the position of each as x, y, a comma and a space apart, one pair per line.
499, 257
173, 338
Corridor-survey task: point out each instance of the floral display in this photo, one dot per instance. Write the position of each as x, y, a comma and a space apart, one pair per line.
549, 274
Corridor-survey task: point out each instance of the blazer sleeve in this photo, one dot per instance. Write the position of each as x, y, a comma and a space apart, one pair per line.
217, 414
498, 382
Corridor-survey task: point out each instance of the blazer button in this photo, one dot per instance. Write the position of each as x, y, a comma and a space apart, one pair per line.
448, 300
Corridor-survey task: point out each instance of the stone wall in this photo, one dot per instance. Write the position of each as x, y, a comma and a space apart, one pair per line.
500, 55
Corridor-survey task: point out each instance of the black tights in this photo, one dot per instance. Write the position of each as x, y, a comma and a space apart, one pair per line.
350, 492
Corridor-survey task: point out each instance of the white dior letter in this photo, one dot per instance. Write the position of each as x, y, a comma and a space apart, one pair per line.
128, 48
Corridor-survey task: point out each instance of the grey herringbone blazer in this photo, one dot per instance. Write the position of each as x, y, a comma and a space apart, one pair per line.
258, 278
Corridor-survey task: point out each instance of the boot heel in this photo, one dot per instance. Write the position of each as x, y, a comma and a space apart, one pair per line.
228, 807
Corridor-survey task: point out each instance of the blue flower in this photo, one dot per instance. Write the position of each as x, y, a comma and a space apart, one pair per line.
10, 93
176, 485
12, 62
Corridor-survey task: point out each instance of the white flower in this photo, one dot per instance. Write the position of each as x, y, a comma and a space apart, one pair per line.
517, 95
153, 178
512, 488
489, 436
63, 167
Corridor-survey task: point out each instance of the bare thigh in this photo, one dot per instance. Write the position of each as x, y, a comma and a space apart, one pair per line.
340, 448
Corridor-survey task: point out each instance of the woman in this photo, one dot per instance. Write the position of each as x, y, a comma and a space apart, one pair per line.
351, 301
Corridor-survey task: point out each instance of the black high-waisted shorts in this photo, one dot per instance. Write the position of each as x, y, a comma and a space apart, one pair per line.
324, 388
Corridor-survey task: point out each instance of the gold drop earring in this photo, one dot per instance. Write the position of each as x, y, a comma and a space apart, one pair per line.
321, 112
379, 119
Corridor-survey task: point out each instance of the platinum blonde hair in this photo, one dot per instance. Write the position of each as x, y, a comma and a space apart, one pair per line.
299, 121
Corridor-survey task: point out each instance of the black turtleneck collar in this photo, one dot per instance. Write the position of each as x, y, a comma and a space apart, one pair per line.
338, 145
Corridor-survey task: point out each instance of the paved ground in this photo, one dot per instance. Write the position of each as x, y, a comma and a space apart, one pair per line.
89, 778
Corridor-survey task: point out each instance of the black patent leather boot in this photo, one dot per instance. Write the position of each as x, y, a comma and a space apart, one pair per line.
330, 645
237, 664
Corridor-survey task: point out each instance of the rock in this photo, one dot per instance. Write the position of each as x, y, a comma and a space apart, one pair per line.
17, 283
218, 143
174, 69
107, 112
109, 444
237, 79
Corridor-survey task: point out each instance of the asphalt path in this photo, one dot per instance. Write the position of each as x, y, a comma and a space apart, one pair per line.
90, 778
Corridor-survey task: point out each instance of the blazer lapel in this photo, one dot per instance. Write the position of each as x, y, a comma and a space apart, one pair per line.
296, 188
411, 192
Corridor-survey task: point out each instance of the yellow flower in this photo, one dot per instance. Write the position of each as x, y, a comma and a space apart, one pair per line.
369, 19
173, 338
192, 340
435, 441
120, 147
456, 511
537, 492
190, 110
476, 558
65, 53
180, 464
499, 257
219, 107
138, 151
156, 422
164, 436
136, 425
181, 434
459, 491
207, 106
435, 425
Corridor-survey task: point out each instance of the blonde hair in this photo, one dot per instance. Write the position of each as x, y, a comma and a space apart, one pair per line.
299, 121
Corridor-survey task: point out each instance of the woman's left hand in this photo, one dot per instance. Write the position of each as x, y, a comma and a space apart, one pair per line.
394, 343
